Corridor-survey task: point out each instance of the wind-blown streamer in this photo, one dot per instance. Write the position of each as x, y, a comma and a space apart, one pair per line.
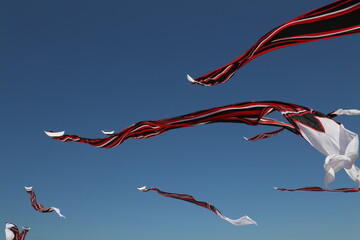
38, 207
326, 135
12, 232
251, 113
319, 189
337, 19
245, 220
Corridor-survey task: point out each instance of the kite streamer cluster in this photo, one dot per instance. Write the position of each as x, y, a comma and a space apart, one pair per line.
338, 144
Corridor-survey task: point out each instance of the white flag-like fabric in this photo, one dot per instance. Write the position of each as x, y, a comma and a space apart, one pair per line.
340, 145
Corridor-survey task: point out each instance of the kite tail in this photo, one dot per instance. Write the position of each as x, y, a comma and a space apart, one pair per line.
140, 130
344, 112
107, 142
245, 220
39, 207
264, 135
250, 113
337, 19
319, 189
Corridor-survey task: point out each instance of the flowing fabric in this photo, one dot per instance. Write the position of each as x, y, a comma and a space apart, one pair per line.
245, 220
338, 144
319, 189
12, 232
251, 113
38, 207
337, 19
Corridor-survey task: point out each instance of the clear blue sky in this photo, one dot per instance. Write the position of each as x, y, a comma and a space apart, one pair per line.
83, 66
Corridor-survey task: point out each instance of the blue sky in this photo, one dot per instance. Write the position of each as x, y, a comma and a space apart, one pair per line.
83, 66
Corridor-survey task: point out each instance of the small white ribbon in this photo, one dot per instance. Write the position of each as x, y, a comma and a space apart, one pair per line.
347, 112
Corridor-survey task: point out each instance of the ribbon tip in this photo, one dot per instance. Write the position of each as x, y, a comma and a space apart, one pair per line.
143, 189
107, 132
54, 134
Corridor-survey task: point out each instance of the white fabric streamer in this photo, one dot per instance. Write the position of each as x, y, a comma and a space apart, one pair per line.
340, 145
347, 112
9, 235
58, 212
245, 220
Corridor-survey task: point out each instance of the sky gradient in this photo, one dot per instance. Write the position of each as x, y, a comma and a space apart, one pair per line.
83, 66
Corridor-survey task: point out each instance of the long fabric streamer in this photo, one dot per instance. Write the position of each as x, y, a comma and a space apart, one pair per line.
337, 19
245, 220
319, 189
38, 207
12, 232
251, 113
338, 144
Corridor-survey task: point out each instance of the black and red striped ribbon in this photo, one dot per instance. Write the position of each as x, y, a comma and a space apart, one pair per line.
245, 220
319, 189
39, 207
251, 113
337, 19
